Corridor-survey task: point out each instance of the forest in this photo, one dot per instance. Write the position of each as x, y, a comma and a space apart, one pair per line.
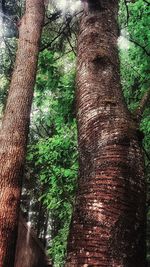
75, 133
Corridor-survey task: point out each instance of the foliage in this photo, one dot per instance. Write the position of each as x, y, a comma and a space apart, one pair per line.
3, 91
135, 64
59, 243
134, 61
52, 152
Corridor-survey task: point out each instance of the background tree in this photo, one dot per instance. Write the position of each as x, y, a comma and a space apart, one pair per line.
15, 124
46, 122
52, 154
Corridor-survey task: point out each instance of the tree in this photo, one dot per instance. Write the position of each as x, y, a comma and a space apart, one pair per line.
15, 125
108, 224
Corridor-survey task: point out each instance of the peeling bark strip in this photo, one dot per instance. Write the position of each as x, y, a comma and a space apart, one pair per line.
15, 126
108, 225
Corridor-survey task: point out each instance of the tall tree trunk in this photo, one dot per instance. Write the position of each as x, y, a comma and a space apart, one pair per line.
108, 225
15, 126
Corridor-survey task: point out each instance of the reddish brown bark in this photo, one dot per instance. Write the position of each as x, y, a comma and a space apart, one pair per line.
15, 125
108, 225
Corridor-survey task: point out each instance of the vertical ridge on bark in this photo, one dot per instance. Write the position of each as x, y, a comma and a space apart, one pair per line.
15, 126
108, 224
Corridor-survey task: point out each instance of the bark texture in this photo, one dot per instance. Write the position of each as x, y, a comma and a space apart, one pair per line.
108, 224
15, 125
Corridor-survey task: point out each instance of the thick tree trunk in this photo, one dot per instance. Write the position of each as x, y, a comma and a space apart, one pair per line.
15, 125
108, 225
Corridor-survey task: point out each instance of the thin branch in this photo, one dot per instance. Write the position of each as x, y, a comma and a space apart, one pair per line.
127, 64
11, 58
73, 49
37, 132
49, 44
144, 101
45, 129
143, 47
127, 12
56, 37
57, 58
146, 153
53, 17
8, 18
70, 44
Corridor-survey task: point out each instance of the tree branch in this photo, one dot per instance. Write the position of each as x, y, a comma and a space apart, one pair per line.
53, 17
70, 44
127, 11
146, 153
145, 99
57, 58
56, 37
143, 47
37, 132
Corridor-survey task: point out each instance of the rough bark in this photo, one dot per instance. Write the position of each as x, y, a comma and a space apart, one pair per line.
108, 224
15, 125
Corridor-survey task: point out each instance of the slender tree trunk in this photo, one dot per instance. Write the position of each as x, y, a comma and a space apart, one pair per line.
108, 225
15, 126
